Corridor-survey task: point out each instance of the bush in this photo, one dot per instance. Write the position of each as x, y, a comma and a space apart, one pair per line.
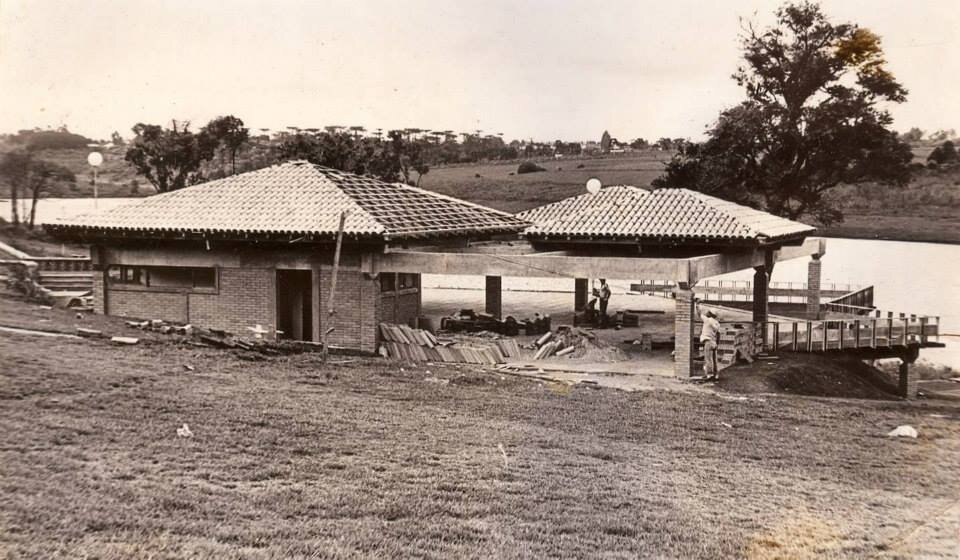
529, 167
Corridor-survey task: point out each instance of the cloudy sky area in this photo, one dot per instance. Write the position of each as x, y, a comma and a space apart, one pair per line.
539, 69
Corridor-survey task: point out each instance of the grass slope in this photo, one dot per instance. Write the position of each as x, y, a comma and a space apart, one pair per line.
294, 459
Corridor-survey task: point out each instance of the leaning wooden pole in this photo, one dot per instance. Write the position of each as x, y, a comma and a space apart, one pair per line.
331, 302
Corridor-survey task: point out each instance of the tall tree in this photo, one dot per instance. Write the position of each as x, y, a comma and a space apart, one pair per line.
811, 120
230, 135
30, 175
169, 158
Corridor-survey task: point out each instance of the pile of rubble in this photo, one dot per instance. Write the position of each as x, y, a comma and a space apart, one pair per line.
574, 342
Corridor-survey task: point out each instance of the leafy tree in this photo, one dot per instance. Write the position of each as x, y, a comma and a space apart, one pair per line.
810, 121
639, 144
912, 136
230, 135
944, 153
605, 141
60, 139
169, 158
28, 174
116, 139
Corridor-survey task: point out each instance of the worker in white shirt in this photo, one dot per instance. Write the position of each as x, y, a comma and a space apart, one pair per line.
709, 337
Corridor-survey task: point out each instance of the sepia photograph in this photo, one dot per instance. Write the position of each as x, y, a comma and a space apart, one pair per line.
350, 279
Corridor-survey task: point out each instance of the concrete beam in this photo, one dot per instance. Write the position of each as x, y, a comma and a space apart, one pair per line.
812, 246
531, 266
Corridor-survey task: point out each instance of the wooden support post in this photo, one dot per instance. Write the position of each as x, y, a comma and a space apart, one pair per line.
842, 328
873, 333
890, 331
923, 330
581, 293
809, 336
856, 328
333, 286
826, 335
794, 345
776, 336
494, 296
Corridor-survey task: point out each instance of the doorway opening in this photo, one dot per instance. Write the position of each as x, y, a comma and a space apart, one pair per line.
295, 304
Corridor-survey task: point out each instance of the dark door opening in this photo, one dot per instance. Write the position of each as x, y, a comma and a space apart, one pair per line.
295, 304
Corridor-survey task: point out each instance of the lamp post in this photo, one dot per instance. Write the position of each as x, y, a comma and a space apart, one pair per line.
95, 159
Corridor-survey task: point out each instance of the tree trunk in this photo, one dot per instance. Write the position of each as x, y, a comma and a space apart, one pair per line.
33, 203
14, 203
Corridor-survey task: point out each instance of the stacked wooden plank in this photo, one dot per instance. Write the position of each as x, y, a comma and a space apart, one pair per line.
734, 342
400, 342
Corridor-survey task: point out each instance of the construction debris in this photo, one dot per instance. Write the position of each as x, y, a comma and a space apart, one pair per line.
574, 342
401, 342
90, 333
184, 431
903, 431
124, 340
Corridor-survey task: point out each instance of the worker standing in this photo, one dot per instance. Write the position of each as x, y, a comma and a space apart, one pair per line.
709, 337
604, 300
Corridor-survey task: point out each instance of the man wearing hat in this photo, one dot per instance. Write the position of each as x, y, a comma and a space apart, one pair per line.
709, 337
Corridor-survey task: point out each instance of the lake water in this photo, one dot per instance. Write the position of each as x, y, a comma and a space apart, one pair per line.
919, 278
908, 277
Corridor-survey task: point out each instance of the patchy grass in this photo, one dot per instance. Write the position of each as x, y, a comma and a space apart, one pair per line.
499, 186
293, 458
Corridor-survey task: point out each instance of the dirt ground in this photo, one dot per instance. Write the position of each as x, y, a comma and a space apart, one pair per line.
363, 458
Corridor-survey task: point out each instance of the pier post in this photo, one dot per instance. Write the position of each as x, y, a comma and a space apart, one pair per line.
581, 293
684, 343
760, 282
494, 296
813, 287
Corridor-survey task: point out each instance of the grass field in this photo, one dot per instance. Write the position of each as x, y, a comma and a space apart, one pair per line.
498, 186
294, 459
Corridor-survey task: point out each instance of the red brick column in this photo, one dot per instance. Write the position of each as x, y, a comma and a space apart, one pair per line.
685, 344
813, 287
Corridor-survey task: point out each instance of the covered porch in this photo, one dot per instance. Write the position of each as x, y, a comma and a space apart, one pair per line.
682, 268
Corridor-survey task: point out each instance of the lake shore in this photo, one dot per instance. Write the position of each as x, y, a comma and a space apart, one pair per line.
924, 229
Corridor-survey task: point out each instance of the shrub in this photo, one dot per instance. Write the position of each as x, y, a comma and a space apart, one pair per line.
529, 167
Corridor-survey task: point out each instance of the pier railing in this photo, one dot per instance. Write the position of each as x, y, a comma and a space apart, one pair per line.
742, 290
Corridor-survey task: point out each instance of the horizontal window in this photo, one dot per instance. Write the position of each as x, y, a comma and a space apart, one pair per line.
391, 281
164, 277
406, 281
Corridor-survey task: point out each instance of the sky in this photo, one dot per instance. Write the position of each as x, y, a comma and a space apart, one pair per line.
528, 69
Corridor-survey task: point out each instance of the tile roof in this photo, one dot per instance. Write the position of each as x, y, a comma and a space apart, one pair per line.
627, 212
298, 198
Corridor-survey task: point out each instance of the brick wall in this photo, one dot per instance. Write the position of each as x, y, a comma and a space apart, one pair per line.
148, 305
99, 301
357, 306
683, 331
245, 298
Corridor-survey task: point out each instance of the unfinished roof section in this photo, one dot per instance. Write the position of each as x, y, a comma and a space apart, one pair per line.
296, 198
662, 216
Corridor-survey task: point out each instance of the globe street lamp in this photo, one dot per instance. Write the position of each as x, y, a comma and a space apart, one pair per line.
95, 159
